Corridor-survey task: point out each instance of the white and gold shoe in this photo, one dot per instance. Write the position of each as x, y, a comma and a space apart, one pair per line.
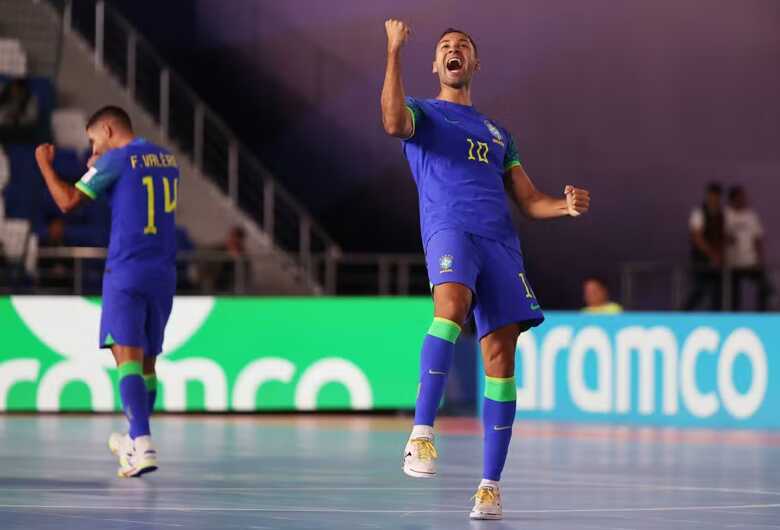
115, 442
487, 503
419, 459
136, 457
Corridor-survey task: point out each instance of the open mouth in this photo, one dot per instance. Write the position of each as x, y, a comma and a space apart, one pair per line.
454, 64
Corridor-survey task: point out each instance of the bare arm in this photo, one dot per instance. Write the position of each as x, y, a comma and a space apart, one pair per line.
64, 194
697, 236
396, 119
760, 249
538, 205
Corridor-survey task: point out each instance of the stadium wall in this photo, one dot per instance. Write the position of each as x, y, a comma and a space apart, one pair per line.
260, 354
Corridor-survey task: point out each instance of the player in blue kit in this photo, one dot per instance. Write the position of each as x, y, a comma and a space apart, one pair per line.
141, 182
464, 164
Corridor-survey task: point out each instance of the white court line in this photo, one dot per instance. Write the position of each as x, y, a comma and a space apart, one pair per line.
301, 509
657, 487
743, 524
533, 485
163, 489
143, 523
528, 484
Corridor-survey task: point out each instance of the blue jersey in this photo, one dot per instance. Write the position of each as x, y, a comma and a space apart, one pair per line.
458, 158
141, 181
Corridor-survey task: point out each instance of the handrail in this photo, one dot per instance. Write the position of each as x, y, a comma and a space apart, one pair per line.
356, 273
273, 199
678, 274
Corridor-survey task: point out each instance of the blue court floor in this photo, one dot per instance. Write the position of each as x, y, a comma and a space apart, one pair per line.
313, 472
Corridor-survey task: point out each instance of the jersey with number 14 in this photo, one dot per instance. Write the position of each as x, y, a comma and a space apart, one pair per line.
458, 158
141, 181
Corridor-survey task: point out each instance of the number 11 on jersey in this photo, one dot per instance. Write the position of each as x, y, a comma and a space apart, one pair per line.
528, 291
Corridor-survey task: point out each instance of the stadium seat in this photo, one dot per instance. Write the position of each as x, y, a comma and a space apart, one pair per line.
15, 235
13, 59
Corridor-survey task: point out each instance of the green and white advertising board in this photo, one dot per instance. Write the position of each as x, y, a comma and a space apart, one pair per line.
221, 354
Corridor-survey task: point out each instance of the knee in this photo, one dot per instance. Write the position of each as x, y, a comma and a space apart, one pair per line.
499, 360
455, 309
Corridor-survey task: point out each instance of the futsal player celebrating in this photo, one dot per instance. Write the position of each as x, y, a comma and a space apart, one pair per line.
464, 164
141, 181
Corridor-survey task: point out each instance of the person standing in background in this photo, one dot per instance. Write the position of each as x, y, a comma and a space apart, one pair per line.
745, 249
595, 293
706, 226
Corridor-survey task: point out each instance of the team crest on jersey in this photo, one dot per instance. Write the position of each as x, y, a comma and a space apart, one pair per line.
497, 136
446, 263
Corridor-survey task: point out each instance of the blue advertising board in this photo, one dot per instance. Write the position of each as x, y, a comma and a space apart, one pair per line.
659, 369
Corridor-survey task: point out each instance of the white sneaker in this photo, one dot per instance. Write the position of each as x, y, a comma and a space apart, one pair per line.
487, 503
115, 442
419, 459
136, 457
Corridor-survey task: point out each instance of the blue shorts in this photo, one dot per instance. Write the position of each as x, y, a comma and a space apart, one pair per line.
135, 312
492, 270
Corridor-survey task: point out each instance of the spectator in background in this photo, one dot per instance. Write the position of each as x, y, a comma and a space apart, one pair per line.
55, 272
235, 245
596, 295
187, 273
232, 274
745, 249
707, 233
18, 112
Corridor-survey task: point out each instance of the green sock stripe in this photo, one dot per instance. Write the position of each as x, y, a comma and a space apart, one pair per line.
500, 388
151, 382
444, 329
130, 368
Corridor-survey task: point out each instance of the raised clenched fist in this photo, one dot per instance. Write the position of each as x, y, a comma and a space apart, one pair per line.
44, 154
577, 200
397, 33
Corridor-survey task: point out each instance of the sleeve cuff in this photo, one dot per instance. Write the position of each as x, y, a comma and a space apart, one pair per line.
512, 164
83, 188
414, 122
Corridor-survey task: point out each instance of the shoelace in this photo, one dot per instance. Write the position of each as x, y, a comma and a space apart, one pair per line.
486, 495
425, 449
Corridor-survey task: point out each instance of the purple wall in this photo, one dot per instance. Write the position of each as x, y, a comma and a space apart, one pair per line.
642, 102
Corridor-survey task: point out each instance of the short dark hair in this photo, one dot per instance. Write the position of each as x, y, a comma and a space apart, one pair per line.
715, 187
598, 279
735, 191
112, 112
456, 30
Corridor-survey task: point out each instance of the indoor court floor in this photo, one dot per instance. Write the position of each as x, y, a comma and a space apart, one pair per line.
343, 472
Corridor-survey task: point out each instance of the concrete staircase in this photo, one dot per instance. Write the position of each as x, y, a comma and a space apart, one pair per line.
203, 208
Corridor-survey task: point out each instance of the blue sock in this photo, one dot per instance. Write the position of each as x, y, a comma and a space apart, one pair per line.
151, 390
498, 416
132, 389
435, 361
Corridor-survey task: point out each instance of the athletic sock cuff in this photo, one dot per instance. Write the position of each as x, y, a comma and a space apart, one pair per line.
130, 368
444, 329
500, 388
151, 382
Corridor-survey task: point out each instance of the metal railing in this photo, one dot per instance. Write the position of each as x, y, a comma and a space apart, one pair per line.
662, 285
79, 271
196, 130
378, 274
